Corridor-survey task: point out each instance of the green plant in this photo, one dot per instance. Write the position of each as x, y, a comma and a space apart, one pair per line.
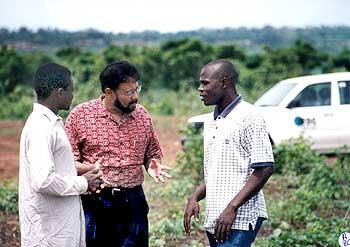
190, 161
9, 196
295, 156
160, 101
320, 202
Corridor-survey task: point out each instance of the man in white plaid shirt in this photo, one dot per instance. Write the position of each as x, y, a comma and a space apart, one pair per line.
238, 161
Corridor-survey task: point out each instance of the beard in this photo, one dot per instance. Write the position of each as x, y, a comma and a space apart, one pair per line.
124, 109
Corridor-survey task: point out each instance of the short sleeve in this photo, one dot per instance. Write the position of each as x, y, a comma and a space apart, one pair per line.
153, 149
257, 142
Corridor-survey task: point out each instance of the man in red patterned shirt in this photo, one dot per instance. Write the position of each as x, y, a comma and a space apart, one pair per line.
118, 133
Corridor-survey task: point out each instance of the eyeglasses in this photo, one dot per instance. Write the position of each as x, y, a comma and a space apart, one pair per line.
132, 91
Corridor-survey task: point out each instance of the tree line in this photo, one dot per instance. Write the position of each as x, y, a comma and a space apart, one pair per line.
171, 65
328, 39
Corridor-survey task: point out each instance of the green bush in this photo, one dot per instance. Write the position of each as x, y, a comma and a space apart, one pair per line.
295, 156
9, 196
315, 212
183, 102
190, 162
18, 104
160, 102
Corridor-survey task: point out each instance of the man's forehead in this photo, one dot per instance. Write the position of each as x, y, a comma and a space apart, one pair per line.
128, 82
210, 71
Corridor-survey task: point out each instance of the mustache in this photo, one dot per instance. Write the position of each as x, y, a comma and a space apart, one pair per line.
133, 102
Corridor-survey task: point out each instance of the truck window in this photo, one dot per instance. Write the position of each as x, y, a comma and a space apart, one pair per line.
275, 95
344, 92
314, 95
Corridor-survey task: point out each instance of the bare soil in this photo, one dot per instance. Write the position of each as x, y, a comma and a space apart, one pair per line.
9, 146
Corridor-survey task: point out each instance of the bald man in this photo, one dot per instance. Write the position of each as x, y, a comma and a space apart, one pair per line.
238, 161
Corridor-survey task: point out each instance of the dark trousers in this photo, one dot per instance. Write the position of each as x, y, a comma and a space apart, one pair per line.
116, 218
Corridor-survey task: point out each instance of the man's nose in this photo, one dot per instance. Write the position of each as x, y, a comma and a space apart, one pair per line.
200, 88
134, 96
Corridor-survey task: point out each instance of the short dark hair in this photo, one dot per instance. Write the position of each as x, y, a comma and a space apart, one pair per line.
227, 69
50, 76
117, 72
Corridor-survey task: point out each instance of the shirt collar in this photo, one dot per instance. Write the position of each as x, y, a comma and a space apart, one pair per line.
102, 110
227, 109
46, 112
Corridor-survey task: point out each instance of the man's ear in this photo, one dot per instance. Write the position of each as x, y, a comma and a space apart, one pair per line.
224, 82
108, 91
60, 92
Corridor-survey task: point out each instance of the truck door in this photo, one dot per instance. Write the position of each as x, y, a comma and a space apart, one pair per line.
342, 113
313, 105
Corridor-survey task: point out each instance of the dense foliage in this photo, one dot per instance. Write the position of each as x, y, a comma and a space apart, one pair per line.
169, 68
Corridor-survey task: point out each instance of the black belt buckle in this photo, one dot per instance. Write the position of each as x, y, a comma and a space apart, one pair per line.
115, 191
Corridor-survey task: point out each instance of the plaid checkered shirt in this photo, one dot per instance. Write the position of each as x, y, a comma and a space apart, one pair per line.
234, 144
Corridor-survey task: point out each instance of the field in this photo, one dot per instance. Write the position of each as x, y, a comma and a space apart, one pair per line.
308, 197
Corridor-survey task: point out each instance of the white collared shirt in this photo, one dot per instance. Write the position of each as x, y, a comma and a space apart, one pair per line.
50, 209
233, 146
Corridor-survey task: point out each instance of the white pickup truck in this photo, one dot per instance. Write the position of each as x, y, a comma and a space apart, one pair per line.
316, 107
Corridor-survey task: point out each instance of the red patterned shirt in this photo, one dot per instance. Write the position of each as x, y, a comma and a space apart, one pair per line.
122, 147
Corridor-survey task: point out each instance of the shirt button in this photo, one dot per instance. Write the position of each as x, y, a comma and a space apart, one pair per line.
213, 137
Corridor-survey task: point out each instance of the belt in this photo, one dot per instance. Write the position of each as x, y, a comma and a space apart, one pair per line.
117, 190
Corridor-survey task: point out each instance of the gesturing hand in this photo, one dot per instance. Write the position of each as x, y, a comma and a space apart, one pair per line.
157, 171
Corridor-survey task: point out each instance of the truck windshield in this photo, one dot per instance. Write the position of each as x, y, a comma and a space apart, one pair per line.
275, 95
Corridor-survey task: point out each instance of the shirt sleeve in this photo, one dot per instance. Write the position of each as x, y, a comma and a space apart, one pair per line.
44, 178
153, 149
257, 142
73, 134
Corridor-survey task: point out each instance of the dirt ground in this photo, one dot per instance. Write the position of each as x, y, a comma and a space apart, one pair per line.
9, 146
167, 129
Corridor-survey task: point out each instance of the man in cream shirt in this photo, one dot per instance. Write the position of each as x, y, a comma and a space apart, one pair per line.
50, 209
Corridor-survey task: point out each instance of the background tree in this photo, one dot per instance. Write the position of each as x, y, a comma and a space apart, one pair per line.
13, 70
